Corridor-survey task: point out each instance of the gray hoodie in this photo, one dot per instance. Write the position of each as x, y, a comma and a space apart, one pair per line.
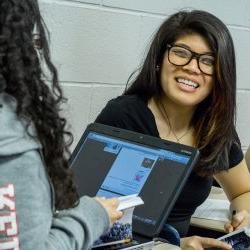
27, 218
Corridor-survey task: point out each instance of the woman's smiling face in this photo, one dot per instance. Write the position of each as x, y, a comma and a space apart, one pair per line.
187, 85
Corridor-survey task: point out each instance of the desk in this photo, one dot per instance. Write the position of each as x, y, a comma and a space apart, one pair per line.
216, 193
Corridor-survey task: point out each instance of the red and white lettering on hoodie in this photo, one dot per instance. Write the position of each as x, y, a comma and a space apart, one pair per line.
8, 219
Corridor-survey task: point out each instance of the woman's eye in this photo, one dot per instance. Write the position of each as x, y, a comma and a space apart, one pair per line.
207, 60
181, 53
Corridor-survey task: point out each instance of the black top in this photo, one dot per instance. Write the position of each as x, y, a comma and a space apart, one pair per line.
132, 113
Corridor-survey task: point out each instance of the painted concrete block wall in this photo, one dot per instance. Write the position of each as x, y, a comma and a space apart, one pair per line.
96, 44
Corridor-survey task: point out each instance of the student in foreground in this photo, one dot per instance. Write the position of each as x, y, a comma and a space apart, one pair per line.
39, 206
185, 91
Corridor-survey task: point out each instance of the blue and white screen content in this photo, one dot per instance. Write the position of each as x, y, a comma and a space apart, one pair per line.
135, 166
131, 166
110, 167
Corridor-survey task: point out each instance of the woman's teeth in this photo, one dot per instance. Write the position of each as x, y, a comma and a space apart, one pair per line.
188, 82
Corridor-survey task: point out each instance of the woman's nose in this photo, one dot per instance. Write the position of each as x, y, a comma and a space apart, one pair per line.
193, 66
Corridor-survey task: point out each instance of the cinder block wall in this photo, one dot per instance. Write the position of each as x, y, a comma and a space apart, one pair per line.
96, 44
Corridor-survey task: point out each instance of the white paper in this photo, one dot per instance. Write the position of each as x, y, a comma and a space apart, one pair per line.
129, 201
239, 239
213, 209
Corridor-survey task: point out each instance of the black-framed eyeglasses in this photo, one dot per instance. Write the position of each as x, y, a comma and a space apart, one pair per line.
180, 56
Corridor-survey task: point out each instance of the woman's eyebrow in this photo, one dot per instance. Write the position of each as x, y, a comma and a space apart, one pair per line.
184, 45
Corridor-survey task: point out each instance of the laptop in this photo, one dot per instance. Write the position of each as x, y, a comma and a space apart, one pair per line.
112, 162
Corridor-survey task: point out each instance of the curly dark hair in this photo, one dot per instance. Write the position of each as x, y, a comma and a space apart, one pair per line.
38, 94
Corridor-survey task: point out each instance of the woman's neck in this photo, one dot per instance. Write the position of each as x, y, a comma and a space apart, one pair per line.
179, 116
173, 121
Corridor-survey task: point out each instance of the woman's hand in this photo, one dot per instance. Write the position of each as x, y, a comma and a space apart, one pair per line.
200, 243
239, 220
111, 207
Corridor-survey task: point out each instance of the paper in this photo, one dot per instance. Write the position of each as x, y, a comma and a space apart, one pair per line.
121, 231
213, 209
239, 239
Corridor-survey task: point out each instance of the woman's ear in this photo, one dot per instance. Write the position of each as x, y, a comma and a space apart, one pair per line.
37, 41
36, 38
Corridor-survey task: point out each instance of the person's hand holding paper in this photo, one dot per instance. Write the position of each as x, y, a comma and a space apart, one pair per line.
111, 206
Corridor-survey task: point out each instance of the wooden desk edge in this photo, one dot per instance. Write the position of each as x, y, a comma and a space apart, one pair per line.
208, 224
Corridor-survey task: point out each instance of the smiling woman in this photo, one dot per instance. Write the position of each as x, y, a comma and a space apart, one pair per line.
185, 92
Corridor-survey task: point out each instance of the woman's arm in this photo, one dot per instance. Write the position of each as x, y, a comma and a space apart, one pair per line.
247, 157
236, 184
27, 218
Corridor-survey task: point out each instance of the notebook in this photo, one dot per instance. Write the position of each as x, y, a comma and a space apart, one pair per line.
113, 162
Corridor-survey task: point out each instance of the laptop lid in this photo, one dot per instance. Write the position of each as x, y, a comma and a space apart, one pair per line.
110, 161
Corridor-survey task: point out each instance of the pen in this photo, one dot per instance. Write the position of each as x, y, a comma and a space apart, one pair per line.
233, 213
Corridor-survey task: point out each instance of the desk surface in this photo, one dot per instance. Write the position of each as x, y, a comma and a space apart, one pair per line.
216, 193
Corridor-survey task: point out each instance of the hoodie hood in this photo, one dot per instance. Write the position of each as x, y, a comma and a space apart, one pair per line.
14, 138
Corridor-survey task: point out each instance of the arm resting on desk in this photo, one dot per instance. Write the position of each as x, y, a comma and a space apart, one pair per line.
236, 184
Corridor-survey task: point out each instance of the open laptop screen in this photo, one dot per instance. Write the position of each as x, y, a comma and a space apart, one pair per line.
111, 163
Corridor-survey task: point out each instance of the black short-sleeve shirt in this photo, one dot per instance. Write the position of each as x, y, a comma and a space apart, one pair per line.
131, 112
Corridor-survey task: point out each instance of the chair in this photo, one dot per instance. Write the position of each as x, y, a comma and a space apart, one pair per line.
170, 234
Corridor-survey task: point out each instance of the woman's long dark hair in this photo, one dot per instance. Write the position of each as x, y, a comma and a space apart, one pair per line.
214, 119
38, 101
